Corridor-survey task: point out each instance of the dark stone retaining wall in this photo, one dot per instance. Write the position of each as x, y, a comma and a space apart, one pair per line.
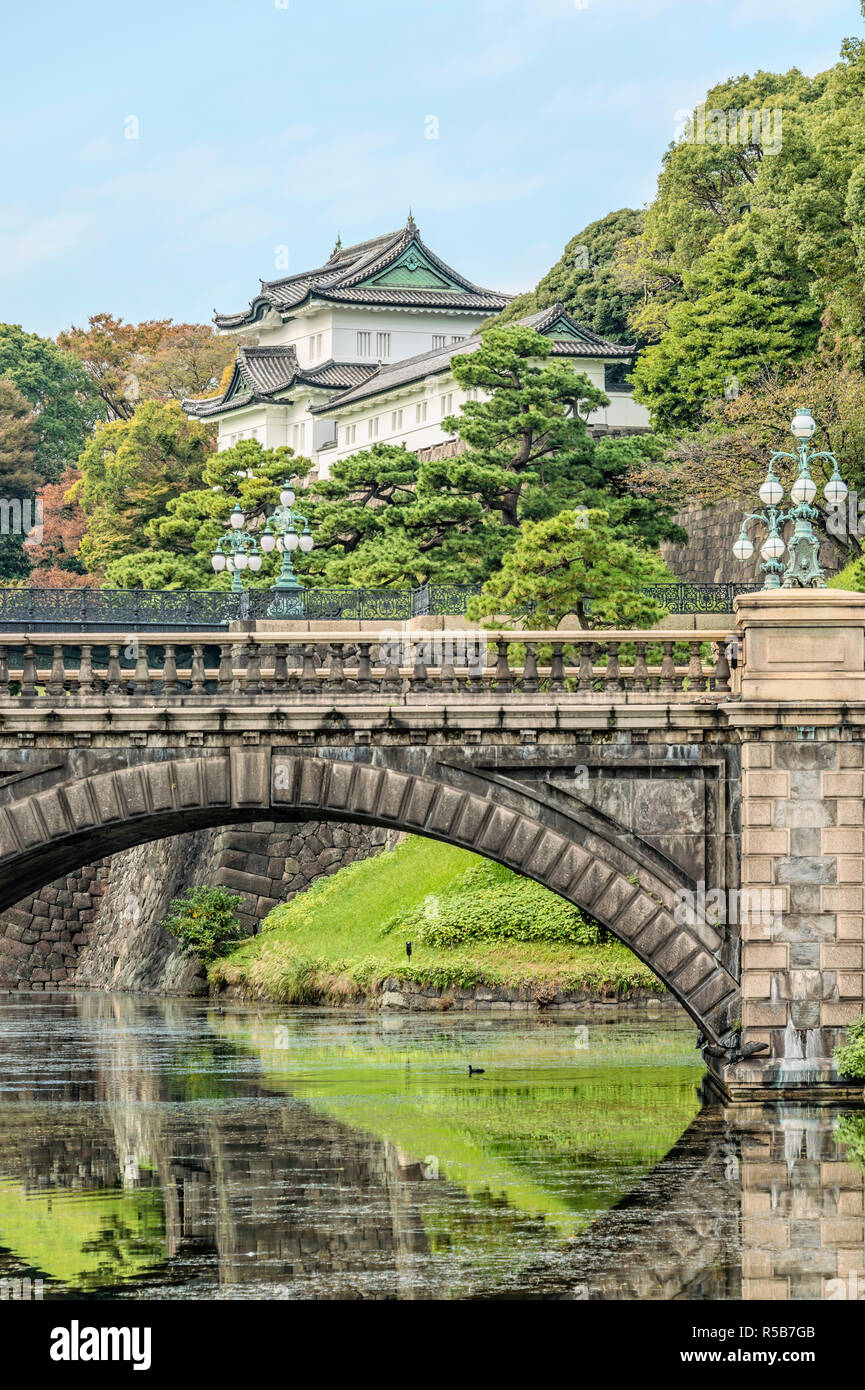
708, 557
396, 995
43, 937
100, 927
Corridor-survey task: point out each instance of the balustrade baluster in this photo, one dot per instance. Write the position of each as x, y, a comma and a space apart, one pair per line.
115, 675
586, 674
722, 670
392, 680
225, 679
640, 678
448, 673
197, 670
57, 679
557, 667
169, 671
696, 680
141, 679
365, 680
529, 680
336, 668
504, 676
252, 683
280, 668
477, 660
420, 675
85, 671
308, 675
668, 668
612, 678
28, 672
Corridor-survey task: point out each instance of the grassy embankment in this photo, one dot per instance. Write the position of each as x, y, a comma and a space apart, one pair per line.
471, 923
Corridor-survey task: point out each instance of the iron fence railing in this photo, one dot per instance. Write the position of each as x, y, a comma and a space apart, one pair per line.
698, 598
185, 610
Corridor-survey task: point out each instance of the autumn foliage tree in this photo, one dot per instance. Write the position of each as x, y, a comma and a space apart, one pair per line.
55, 558
153, 360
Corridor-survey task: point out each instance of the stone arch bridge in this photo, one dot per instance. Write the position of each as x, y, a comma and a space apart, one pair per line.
620, 770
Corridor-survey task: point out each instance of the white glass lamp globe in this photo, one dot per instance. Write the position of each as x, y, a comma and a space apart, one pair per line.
771, 492
255, 562
241, 561
743, 549
803, 490
835, 491
286, 497
290, 540
306, 542
772, 548
802, 424
267, 541
236, 517
218, 562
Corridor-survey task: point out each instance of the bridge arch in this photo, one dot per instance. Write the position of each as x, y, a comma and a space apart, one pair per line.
69, 814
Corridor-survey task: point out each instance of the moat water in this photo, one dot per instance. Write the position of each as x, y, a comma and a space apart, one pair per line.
170, 1149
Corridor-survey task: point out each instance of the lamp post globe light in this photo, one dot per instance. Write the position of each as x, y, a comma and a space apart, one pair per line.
236, 550
286, 530
803, 568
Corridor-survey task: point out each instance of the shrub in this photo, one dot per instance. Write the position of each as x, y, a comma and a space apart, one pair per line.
491, 903
850, 1058
204, 923
850, 1131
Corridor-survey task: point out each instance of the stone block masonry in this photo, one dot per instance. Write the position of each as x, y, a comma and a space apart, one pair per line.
43, 938
99, 928
802, 971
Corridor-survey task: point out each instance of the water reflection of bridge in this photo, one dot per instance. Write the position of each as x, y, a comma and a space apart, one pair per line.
752, 1203
269, 1195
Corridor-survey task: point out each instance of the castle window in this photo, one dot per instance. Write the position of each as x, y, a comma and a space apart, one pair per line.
382, 346
372, 428
447, 404
396, 420
350, 434
364, 345
420, 413
458, 338
439, 340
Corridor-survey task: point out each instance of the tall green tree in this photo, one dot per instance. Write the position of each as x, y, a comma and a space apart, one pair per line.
740, 319
19, 477
384, 518
574, 563
585, 280
56, 386
176, 543
130, 471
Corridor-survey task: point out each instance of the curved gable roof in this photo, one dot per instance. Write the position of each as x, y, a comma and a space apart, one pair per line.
396, 270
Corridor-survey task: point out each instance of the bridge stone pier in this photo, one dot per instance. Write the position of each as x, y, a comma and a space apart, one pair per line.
712, 821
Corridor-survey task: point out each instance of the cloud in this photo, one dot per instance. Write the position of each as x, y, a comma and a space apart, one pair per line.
26, 241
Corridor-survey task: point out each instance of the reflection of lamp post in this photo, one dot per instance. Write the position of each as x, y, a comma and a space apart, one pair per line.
803, 568
236, 550
281, 531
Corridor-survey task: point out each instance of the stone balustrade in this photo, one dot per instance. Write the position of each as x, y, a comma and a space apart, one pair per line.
636, 666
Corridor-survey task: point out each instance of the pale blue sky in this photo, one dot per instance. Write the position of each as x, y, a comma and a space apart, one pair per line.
269, 123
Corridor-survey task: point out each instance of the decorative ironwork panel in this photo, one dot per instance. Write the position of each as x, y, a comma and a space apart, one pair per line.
697, 598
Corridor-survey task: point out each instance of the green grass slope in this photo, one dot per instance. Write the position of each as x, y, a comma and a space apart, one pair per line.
470, 922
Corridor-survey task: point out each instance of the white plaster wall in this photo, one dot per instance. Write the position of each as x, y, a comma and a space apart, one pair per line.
411, 331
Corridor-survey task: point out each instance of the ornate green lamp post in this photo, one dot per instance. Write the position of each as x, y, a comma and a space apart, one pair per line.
286, 530
803, 567
236, 550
